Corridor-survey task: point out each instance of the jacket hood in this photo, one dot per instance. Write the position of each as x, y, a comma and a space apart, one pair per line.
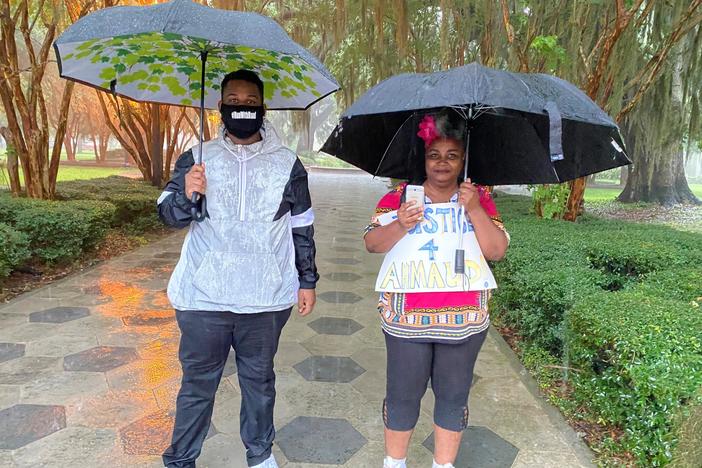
270, 143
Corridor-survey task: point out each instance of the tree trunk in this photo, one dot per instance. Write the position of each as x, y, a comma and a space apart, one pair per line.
93, 138
12, 165
658, 175
302, 128
680, 185
55, 157
575, 204
103, 141
70, 149
658, 180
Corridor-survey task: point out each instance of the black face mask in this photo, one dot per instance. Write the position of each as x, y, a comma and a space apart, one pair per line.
242, 121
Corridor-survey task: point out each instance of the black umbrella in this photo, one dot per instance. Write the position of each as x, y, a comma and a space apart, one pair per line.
523, 128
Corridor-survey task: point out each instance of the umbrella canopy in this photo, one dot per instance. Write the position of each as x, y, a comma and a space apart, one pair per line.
524, 128
155, 54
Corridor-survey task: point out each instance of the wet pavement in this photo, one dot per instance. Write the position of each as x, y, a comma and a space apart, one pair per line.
89, 369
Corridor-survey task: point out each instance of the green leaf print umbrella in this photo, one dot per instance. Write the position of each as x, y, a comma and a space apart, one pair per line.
158, 54
178, 52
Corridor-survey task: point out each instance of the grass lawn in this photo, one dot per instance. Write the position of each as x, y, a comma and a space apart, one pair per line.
609, 194
82, 173
82, 156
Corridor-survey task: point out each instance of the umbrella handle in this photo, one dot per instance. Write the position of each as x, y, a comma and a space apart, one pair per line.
201, 214
460, 261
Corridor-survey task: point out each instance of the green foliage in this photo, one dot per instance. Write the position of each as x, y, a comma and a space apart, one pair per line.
61, 231
550, 200
132, 198
14, 249
547, 50
619, 302
10, 206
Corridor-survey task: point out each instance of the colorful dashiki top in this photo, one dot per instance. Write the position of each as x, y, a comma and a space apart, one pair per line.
434, 316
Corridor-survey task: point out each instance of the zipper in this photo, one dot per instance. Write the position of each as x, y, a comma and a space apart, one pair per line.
242, 176
242, 189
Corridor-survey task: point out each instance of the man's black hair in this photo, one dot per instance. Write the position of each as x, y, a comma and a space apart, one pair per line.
243, 75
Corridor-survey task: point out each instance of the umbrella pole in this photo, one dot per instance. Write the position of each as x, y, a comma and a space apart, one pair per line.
199, 215
459, 261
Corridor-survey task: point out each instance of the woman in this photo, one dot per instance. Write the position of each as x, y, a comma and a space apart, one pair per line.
434, 334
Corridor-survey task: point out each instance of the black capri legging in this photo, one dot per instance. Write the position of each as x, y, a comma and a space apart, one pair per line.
409, 367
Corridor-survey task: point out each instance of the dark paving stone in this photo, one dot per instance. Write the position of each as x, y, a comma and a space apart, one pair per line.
339, 276
11, 351
93, 290
328, 441
481, 448
340, 297
144, 320
329, 369
335, 326
59, 314
100, 359
151, 435
230, 366
22, 424
156, 263
343, 261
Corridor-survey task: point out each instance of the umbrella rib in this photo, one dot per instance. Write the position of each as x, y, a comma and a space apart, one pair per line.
375, 173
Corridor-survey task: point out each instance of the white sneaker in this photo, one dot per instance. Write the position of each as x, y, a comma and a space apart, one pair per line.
390, 462
445, 465
267, 463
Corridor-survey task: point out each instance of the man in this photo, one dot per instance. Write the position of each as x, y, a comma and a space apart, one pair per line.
241, 269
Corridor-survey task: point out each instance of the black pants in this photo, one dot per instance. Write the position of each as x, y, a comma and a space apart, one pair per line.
206, 338
411, 364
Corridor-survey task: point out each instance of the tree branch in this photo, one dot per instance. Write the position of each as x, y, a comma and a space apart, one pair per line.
688, 21
60, 133
39, 10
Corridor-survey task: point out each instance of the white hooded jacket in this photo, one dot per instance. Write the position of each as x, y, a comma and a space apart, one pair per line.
242, 257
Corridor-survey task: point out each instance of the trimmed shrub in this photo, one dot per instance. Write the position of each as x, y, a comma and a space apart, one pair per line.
11, 206
14, 249
61, 231
132, 198
620, 303
641, 360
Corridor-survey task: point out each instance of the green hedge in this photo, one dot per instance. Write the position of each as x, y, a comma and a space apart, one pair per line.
14, 249
61, 231
132, 198
619, 303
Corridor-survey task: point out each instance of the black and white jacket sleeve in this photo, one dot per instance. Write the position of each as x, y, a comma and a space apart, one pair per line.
297, 201
174, 208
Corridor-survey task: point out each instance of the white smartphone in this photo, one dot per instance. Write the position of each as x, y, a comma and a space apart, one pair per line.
415, 193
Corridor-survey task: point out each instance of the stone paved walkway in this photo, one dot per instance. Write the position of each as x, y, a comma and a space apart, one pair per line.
89, 372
